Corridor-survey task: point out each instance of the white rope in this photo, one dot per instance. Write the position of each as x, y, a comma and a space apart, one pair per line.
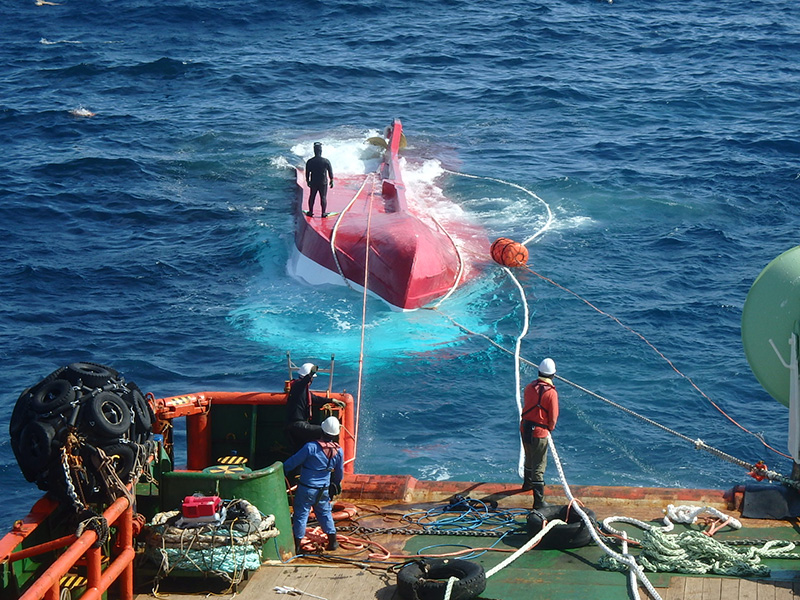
449, 589
460, 263
517, 382
528, 545
633, 589
688, 514
549, 220
524, 332
626, 558
292, 591
369, 177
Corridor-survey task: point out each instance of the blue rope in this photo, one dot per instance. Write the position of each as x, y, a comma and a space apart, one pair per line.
467, 514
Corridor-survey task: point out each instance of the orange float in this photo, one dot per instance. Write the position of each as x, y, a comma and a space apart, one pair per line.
340, 511
509, 253
343, 511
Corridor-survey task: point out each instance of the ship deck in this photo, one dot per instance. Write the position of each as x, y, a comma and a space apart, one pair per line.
350, 574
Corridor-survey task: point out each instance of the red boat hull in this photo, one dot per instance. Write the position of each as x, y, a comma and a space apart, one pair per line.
374, 242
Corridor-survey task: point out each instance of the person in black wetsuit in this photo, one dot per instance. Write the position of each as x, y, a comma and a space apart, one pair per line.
318, 169
299, 406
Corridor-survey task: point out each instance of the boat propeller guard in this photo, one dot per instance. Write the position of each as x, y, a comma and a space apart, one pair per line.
575, 534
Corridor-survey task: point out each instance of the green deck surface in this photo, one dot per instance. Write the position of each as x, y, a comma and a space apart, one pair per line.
574, 574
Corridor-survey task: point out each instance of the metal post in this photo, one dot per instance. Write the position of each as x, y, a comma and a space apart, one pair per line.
794, 405
794, 400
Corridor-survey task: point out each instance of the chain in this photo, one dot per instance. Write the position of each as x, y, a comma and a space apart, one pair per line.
412, 531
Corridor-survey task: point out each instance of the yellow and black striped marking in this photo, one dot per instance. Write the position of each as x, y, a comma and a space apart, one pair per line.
232, 460
71, 581
181, 400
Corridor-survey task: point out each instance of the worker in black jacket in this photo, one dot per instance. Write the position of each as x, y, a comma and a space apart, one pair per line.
299, 408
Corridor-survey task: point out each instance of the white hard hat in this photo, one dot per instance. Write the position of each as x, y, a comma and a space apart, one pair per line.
547, 367
331, 426
307, 368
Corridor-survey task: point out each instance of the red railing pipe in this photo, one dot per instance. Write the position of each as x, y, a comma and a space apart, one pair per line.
47, 585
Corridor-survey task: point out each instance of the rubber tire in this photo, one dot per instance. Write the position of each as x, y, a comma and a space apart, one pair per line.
575, 534
21, 415
34, 449
427, 579
126, 461
143, 414
53, 397
89, 374
107, 415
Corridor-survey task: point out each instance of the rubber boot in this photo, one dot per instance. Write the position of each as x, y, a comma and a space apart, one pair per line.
332, 543
538, 495
527, 482
298, 549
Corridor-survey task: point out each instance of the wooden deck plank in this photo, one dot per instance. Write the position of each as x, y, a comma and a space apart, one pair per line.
269, 578
326, 582
729, 588
331, 582
694, 588
676, 590
300, 578
712, 588
783, 590
748, 590
765, 590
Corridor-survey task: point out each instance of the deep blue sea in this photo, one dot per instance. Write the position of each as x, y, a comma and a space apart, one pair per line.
146, 214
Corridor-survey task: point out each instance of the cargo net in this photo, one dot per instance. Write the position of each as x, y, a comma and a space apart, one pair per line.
83, 433
209, 536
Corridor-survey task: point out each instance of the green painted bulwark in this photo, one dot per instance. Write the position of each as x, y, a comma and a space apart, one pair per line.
264, 488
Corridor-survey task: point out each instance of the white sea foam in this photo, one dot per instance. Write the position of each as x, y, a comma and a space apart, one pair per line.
81, 112
47, 42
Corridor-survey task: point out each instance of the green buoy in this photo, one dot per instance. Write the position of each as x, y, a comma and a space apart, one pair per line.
771, 313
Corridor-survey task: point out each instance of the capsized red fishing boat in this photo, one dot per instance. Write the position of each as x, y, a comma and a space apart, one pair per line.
374, 238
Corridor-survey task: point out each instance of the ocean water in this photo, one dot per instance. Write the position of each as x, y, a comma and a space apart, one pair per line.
146, 198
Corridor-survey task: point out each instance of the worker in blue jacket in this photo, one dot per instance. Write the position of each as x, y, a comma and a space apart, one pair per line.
321, 465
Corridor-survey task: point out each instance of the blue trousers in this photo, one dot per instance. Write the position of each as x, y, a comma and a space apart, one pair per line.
303, 501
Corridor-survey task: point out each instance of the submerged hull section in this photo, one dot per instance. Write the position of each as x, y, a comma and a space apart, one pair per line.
373, 241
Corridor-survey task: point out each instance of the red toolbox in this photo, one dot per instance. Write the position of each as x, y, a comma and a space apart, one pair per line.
201, 506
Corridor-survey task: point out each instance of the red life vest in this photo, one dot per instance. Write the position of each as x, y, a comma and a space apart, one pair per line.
542, 387
330, 449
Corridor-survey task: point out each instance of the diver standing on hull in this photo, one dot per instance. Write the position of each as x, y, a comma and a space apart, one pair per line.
318, 170
539, 417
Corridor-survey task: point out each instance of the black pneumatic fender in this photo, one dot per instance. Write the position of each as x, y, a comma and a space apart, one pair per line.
427, 579
575, 534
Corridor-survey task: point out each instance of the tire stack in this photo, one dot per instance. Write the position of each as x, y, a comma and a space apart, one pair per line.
59, 426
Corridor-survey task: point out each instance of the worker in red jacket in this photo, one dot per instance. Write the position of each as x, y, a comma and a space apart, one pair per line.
539, 417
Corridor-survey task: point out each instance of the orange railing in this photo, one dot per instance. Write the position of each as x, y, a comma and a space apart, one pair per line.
47, 586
